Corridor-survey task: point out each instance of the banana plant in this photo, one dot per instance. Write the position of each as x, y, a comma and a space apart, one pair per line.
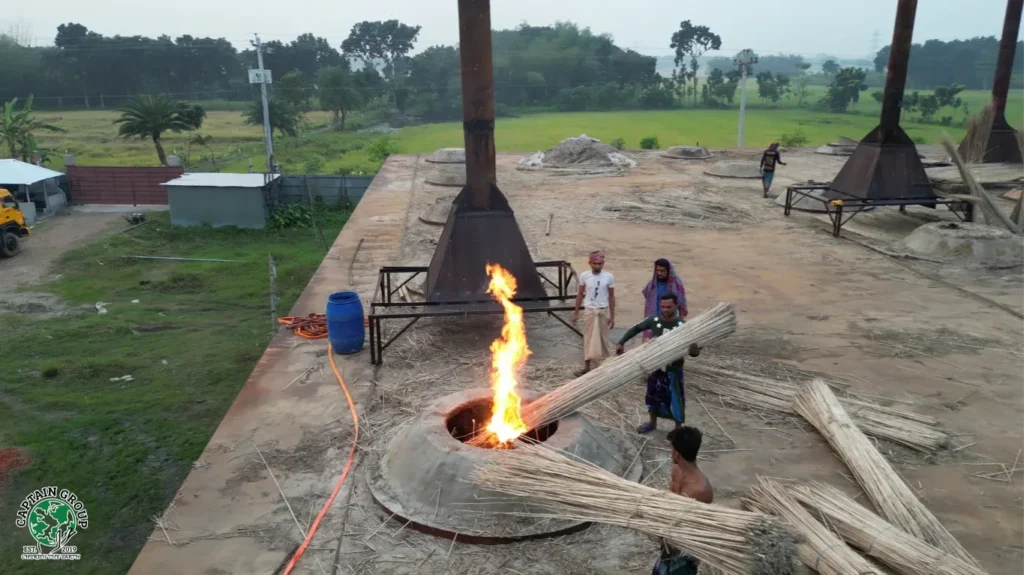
17, 127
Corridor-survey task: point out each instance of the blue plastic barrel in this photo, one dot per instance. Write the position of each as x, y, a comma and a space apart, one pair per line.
346, 329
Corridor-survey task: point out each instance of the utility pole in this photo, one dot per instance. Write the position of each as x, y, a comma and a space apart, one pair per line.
263, 76
745, 59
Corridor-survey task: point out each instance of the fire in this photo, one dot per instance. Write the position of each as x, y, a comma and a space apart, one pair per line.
508, 354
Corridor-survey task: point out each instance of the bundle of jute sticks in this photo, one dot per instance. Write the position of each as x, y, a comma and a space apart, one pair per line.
875, 536
733, 541
819, 548
901, 426
890, 495
709, 327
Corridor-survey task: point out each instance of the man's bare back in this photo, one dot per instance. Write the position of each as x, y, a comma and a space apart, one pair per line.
689, 481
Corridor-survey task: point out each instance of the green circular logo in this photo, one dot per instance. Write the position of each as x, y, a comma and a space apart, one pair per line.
52, 522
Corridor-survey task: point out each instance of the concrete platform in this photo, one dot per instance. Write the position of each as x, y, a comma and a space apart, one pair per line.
942, 340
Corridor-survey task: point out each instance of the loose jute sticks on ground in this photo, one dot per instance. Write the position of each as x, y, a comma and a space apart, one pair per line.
891, 496
905, 427
709, 327
877, 537
819, 548
733, 541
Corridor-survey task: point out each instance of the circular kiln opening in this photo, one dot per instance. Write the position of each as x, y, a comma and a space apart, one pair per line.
467, 420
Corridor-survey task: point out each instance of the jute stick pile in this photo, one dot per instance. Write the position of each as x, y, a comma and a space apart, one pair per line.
907, 428
888, 492
877, 537
819, 548
709, 327
735, 542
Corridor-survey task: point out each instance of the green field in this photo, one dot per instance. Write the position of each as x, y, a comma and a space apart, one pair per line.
189, 343
92, 137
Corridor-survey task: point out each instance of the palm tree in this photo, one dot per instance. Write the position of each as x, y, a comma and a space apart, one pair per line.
283, 116
151, 116
16, 128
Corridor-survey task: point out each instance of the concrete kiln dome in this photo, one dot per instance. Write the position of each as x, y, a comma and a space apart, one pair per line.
688, 153
448, 156
836, 149
452, 177
966, 244
437, 213
735, 169
425, 476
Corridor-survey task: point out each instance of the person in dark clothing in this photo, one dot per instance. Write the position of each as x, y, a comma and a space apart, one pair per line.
769, 159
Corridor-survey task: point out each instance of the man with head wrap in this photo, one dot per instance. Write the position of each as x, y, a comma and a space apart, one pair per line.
597, 296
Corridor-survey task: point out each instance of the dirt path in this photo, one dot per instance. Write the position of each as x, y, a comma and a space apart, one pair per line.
49, 240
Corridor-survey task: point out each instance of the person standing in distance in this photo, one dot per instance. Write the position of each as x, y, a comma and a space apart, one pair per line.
597, 296
769, 159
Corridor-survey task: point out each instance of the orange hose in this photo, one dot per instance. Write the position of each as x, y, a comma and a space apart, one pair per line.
313, 326
344, 473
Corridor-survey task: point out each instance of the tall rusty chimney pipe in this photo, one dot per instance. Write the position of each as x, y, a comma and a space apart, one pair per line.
481, 228
477, 98
885, 164
1002, 143
1004, 65
899, 55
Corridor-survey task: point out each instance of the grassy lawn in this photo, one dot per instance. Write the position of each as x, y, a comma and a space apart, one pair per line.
190, 343
92, 137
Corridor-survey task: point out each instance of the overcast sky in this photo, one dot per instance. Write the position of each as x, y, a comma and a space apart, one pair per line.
808, 27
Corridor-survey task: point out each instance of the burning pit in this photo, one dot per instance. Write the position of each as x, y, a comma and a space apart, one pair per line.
424, 477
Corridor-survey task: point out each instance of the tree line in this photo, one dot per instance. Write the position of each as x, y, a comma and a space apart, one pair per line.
562, 66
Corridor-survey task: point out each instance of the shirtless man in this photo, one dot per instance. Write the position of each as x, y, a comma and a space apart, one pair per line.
688, 481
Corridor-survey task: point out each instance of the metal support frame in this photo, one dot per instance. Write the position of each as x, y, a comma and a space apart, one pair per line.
835, 209
384, 307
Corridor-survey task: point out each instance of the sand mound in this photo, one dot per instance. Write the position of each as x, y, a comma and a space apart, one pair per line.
688, 153
437, 214
966, 244
581, 153
448, 156
735, 169
449, 177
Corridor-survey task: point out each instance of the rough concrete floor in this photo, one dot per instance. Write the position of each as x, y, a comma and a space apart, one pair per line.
947, 345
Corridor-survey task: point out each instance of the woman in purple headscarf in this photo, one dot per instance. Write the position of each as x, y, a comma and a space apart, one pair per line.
665, 281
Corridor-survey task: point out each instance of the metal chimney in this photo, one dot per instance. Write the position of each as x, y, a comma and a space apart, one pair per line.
1002, 140
885, 165
481, 228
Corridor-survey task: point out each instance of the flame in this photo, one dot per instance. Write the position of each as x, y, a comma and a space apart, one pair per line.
508, 354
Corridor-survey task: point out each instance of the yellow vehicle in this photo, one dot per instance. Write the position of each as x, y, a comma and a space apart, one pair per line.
12, 225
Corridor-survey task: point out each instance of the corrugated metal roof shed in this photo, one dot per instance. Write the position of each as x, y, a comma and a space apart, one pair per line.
16, 172
217, 180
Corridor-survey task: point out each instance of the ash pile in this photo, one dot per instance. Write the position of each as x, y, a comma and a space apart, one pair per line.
580, 154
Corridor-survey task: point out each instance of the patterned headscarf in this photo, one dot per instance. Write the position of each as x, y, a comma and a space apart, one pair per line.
596, 257
674, 284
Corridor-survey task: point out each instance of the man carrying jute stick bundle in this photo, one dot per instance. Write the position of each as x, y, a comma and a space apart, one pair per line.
688, 481
666, 391
597, 296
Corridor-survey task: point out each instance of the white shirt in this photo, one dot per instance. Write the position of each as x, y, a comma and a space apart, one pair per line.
596, 294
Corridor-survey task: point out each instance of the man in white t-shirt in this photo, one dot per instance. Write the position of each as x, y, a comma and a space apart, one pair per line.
597, 296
